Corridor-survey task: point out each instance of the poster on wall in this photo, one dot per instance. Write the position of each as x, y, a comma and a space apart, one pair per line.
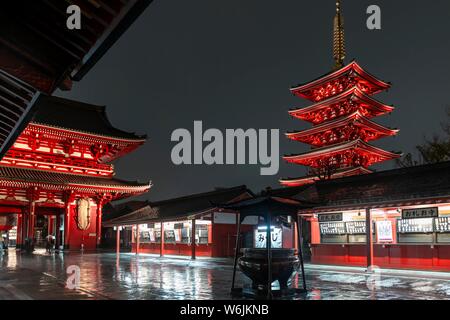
152, 235
260, 238
178, 234
384, 231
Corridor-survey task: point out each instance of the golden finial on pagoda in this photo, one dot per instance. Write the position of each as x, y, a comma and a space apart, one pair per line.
338, 37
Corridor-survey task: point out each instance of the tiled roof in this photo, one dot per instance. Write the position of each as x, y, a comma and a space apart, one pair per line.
77, 116
391, 186
21, 176
178, 208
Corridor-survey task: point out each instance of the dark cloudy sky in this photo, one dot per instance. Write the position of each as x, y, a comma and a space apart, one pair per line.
231, 64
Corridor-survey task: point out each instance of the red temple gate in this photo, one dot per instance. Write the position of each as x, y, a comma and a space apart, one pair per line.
58, 174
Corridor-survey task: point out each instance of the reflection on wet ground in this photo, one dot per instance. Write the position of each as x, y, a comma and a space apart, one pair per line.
103, 276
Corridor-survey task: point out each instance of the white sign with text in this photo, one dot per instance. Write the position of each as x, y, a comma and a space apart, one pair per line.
384, 231
260, 238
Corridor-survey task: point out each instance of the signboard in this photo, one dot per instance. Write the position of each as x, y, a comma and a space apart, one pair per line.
152, 235
420, 213
178, 234
442, 224
260, 238
384, 231
169, 235
332, 228
150, 225
424, 225
355, 227
330, 217
230, 218
12, 234
178, 226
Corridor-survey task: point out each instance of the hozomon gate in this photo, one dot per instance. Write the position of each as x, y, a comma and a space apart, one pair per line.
58, 175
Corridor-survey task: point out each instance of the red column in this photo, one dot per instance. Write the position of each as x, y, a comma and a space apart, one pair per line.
67, 223
161, 243
50, 221
369, 240
19, 230
118, 240
24, 226
69, 197
193, 239
137, 239
210, 230
31, 220
57, 231
98, 229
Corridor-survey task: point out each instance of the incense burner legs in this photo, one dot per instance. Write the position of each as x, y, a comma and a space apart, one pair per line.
254, 264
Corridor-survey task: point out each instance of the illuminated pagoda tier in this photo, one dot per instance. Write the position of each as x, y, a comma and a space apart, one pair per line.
58, 175
342, 117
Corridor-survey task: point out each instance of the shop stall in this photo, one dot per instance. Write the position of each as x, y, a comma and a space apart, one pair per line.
412, 237
392, 219
177, 237
189, 226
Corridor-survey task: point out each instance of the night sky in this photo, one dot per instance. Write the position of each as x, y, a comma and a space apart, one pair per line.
231, 64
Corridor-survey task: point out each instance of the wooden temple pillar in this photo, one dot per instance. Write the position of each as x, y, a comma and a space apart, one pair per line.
32, 196
193, 244
58, 231
161, 242
118, 240
31, 220
137, 239
69, 198
67, 223
98, 221
20, 228
369, 238
50, 224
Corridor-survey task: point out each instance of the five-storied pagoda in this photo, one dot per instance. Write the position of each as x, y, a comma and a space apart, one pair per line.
342, 119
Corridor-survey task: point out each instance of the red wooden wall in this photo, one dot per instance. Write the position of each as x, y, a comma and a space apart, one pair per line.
420, 257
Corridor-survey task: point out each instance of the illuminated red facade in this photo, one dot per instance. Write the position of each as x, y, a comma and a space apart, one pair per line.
58, 175
341, 115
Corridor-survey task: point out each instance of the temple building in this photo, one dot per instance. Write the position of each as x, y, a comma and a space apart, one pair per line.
55, 174
58, 175
342, 116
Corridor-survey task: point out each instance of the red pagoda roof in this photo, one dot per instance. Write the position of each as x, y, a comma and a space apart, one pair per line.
373, 130
366, 81
359, 146
347, 172
368, 106
23, 178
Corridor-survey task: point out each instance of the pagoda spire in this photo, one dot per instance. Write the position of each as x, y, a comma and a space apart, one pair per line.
338, 37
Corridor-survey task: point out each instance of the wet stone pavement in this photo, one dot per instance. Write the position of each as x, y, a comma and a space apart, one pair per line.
103, 276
